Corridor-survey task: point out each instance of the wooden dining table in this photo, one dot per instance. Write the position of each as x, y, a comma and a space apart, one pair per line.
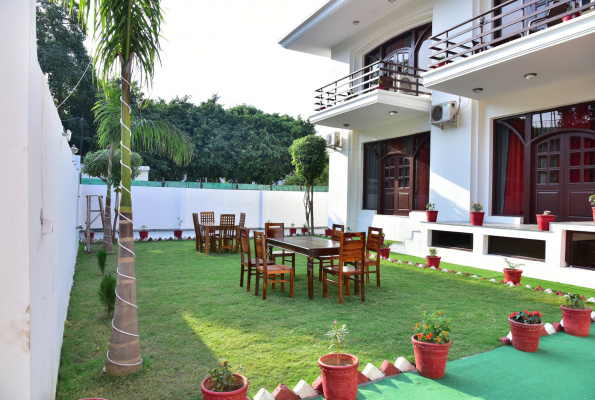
212, 227
310, 247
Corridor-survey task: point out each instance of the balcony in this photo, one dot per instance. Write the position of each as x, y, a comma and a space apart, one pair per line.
495, 50
378, 94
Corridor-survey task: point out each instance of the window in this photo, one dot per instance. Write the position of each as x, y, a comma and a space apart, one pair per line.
581, 250
397, 174
453, 240
515, 247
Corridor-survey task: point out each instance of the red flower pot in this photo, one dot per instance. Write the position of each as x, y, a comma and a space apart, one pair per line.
384, 252
576, 322
525, 337
292, 231
593, 208
143, 234
178, 233
433, 261
512, 275
92, 235
238, 394
430, 358
477, 218
339, 382
431, 216
569, 17
304, 231
543, 221
328, 232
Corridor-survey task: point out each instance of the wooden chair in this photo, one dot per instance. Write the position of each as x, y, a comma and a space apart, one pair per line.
240, 225
352, 251
207, 217
200, 240
273, 230
227, 233
373, 244
268, 271
248, 265
325, 261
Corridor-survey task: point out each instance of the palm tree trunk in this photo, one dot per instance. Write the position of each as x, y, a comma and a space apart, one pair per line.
108, 244
124, 351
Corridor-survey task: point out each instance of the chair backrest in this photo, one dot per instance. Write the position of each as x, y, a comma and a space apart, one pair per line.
242, 220
352, 247
245, 244
207, 217
195, 220
260, 249
374, 238
227, 225
336, 229
274, 230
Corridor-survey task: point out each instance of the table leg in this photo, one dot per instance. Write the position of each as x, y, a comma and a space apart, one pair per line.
311, 278
208, 241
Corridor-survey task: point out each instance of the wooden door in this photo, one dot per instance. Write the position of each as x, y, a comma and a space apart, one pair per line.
547, 177
579, 179
398, 77
388, 184
403, 186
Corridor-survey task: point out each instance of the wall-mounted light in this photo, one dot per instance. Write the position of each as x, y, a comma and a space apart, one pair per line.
393, 112
530, 75
346, 125
67, 134
478, 90
391, 1
74, 150
355, 22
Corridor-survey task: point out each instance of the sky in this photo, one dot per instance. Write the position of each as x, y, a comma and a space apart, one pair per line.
230, 47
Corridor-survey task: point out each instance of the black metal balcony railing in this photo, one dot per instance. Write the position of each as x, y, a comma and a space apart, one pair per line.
382, 75
500, 25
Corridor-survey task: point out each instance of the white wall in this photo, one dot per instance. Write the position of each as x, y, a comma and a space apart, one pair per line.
36, 164
158, 207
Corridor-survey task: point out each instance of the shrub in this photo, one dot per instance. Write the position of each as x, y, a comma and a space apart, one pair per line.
107, 292
433, 328
101, 260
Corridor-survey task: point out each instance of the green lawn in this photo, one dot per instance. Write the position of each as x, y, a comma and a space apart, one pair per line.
192, 313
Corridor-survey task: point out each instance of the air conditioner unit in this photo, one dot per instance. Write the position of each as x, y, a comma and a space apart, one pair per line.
444, 113
404, 82
333, 140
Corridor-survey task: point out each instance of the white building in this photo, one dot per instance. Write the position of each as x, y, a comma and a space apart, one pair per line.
521, 82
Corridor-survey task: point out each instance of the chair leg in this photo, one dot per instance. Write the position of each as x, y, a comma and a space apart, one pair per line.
282, 283
249, 277
348, 286
362, 283
257, 284
264, 287
340, 292
242, 276
293, 261
324, 285
291, 285
378, 275
320, 270
367, 273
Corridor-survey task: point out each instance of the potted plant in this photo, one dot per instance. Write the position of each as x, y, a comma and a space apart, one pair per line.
592, 201
381, 85
477, 214
305, 229
525, 327
221, 383
571, 16
431, 343
382, 239
576, 317
385, 249
339, 370
512, 273
433, 260
178, 232
439, 58
143, 232
91, 235
328, 232
292, 230
543, 220
431, 213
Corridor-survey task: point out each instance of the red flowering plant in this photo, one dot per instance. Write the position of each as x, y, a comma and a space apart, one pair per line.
433, 328
526, 317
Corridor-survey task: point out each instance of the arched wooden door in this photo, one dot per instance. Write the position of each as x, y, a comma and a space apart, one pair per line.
400, 78
564, 176
397, 184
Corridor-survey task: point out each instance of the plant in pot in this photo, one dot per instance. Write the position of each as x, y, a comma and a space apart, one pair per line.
222, 383
512, 273
431, 213
385, 249
431, 343
143, 232
433, 260
328, 232
525, 328
543, 220
382, 239
91, 235
305, 229
339, 370
571, 16
576, 317
592, 201
440, 62
292, 230
178, 232
477, 214
380, 85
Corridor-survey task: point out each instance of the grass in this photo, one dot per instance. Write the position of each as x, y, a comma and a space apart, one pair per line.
193, 314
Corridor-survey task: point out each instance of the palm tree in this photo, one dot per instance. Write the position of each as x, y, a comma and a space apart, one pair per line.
153, 136
127, 31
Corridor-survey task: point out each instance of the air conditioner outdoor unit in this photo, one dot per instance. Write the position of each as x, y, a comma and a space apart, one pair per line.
404, 82
333, 140
444, 113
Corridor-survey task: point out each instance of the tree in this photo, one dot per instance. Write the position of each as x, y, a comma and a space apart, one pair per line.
128, 32
309, 158
322, 180
96, 164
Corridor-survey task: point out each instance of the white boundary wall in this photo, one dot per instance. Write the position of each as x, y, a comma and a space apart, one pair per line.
39, 178
159, 207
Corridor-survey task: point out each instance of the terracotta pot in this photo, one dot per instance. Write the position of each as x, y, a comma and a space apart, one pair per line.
433, 261
339, 382
576, 322
477, 218
304, 231
292, 231
525, 337
143, 234
384, 252
430, 358
543, 221
328, 232
593, 208
239, 394
431, 216
178, 233
512, 275
92, 235
569, 17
